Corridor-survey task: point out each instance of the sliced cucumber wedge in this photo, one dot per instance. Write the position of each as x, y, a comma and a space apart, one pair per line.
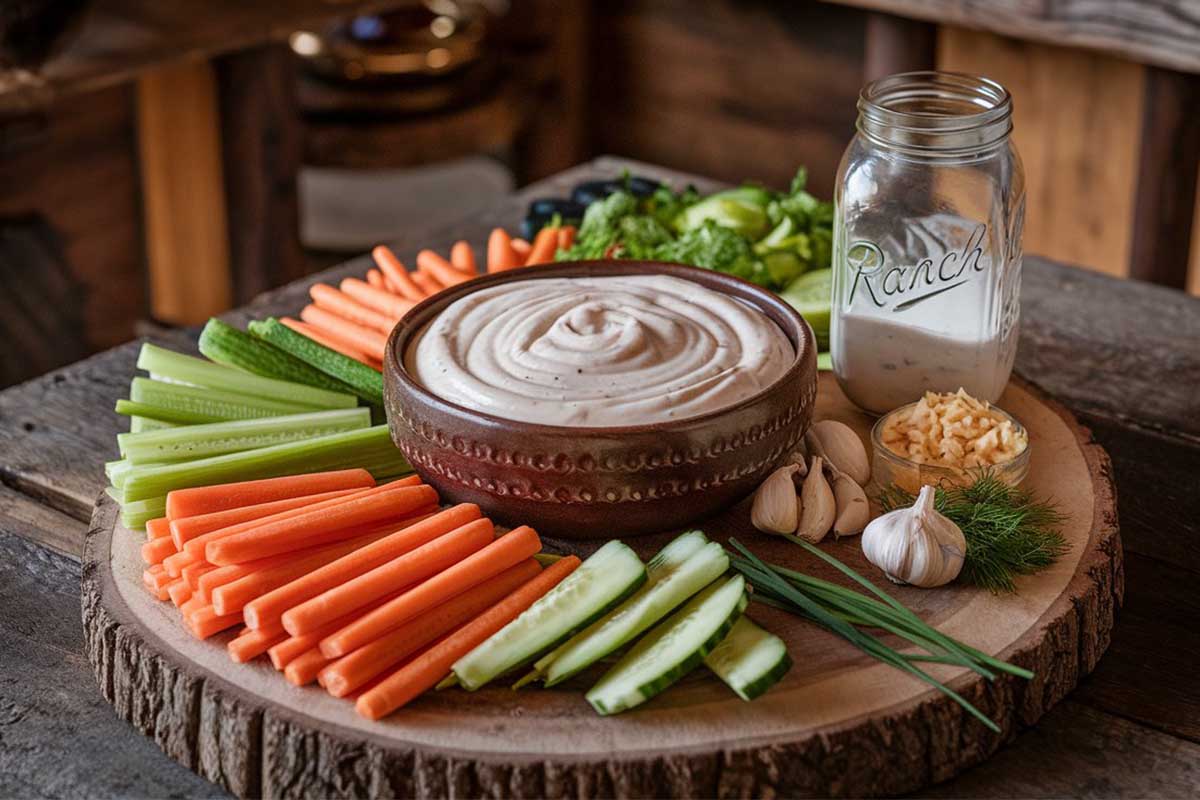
750, 660
671, 588
672, 649
600, 583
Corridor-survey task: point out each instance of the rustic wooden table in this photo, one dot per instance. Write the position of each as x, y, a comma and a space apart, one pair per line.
1124, 356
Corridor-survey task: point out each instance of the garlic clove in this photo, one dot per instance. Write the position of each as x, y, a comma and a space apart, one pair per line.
853, 510
774, 508
916, 545
818, 506
838, 444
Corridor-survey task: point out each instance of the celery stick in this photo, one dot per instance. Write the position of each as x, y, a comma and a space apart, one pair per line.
189, 369
136, 515
173, 416
201, 441
143, 424
225, 344
335, 451
202, 404
113, 492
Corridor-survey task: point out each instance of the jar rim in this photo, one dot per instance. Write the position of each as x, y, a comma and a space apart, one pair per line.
933, 110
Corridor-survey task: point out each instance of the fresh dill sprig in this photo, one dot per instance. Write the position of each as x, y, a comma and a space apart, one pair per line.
1008, 531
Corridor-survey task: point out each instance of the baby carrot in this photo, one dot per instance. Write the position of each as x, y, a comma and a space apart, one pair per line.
376, 279
269, 608
197, 546
179, 591
233, 596
397, 274
187, 528
500, 254
282, 653
463, 259
329, 340
155, 550
352, 671
521, 248
566, 237
340, 303
498, 556
442, 270
369, 340
205, 621
251, 644
207, 499
158, 528
417, 565
304, 667
428, 283
544, 245
380, 300
426, 670
320, 525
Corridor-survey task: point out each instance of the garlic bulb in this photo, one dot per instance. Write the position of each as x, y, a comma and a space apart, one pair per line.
774, 509
916, 545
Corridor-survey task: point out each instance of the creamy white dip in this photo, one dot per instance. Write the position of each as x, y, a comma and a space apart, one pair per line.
598, 352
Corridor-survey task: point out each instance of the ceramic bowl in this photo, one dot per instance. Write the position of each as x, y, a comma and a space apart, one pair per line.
601, 482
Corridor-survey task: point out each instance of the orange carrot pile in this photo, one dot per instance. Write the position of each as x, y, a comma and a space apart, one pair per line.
365, 589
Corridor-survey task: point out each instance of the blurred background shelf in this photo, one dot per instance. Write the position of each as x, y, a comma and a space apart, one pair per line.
163, 161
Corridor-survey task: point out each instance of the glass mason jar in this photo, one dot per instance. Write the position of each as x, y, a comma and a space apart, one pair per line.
930, 205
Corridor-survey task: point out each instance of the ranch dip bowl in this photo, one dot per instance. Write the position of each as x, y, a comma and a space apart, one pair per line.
737, 395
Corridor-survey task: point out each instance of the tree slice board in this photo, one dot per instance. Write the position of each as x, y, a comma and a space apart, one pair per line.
838, 724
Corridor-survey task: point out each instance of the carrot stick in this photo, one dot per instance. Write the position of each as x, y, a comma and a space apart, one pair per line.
193, 572
196, 546
304, 667
269, 608
397, 274
207, 499
281, 654
190, 605
179, 591
442, 270
340, 303
544, 245
429, 284
521, 248
188, 528
330, 341
278, 570
176, 563
153, 575
158, 528
351, 671
251, 644
205, 621
500, 255
566, 237
380, 300
155, 550
463, 259
321, 525
376, 279
416, 565
426, 670
369, 340
498, 556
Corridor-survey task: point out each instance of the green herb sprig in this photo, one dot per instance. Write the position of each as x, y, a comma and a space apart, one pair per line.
1008, 532
847, 612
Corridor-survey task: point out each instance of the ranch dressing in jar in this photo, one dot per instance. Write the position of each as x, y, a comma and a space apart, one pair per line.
927, 242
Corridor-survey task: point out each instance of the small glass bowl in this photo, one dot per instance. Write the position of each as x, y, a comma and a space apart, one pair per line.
888, 468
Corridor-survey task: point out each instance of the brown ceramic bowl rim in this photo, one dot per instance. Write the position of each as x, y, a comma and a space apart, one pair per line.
760, 298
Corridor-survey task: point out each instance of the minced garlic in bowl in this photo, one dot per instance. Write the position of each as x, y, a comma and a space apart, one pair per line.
948, 436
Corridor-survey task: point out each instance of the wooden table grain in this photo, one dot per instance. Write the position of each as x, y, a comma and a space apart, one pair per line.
1124, 356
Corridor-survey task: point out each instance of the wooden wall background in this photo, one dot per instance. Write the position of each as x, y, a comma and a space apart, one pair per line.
735, 89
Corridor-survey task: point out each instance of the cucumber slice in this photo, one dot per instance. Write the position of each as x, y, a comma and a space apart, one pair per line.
672, 649
610, 575
364, 381
750, 660
672, 587
224, 344
812, 295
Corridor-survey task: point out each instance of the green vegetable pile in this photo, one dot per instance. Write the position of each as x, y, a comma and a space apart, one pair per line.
766, 237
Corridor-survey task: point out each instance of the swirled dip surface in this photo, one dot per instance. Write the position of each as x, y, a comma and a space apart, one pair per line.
598, 352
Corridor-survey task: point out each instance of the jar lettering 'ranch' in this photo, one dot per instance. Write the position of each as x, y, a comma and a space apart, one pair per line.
598, 352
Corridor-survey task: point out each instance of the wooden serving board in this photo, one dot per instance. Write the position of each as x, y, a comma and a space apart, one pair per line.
839, 723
